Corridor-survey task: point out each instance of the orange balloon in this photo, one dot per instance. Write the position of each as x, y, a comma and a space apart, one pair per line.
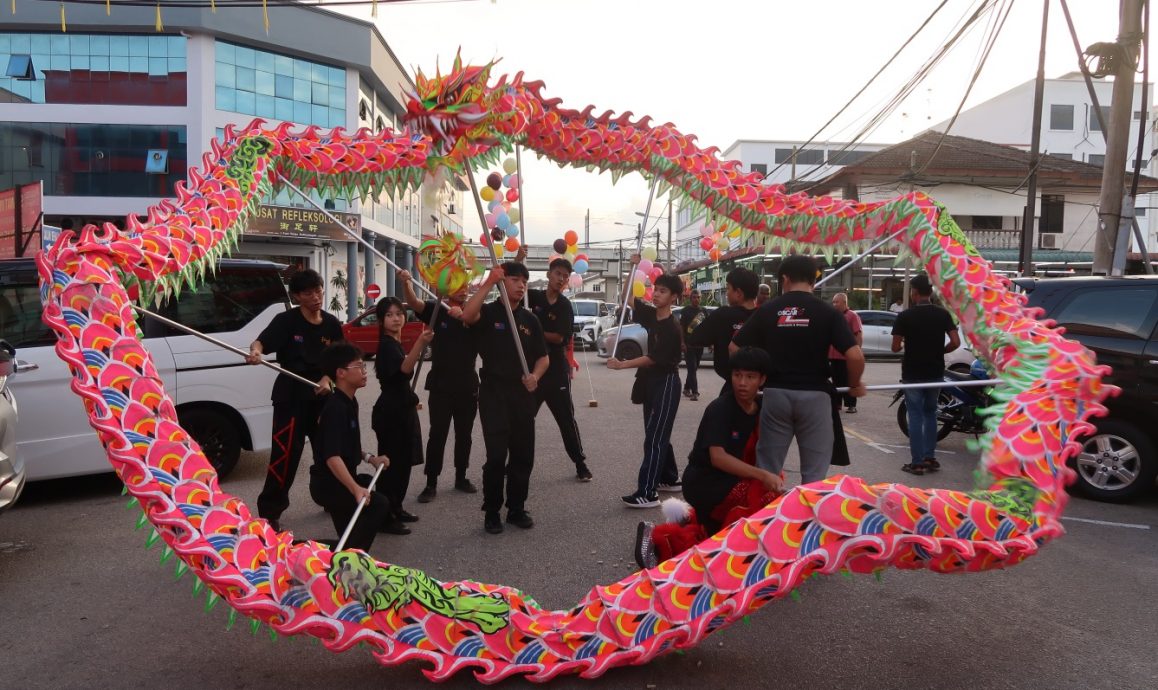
512, 244
571, 238
714, 255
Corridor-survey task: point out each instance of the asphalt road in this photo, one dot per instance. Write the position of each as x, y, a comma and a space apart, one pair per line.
84, 604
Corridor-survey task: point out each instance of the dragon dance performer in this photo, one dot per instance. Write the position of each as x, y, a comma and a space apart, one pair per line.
298, 336
718, 328
557, 318
452, 385
721, 483
506, 396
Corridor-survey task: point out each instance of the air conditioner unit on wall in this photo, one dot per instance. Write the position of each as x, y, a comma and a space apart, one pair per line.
1047, 241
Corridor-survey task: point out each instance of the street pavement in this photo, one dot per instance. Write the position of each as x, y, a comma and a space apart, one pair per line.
83, 603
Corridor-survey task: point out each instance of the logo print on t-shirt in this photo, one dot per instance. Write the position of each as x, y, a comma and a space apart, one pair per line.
299, 339
500, 326
792, 317
524, 330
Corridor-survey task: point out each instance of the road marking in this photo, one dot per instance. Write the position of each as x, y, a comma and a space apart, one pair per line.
867, 441
906, 447
1105, 523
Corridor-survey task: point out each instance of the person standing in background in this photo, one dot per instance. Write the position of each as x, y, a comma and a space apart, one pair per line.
691, 317
719, 327
836, 360
764, 294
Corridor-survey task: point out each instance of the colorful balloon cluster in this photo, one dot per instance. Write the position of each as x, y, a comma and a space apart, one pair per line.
446, 263
567, 247
643, 278
715, 241
502, 216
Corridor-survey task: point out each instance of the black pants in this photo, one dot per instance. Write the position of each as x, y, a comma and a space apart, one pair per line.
507, 412
292, 423
555, 390
340, 503
399, 437
839, 369
444, 406
660, 406
692, 359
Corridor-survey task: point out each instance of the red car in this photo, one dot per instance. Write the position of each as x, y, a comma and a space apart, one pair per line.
363, 332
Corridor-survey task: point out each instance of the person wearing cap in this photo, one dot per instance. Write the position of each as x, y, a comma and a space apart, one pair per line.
919, 333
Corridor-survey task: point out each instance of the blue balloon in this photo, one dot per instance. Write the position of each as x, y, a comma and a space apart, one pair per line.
506, 180
503, 221
581, 266
512, 230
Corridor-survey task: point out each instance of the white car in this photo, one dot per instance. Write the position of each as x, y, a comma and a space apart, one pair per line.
592, 317
11, 466
877, 329
221, 401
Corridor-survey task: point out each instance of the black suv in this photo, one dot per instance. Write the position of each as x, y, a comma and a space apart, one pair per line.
1117, 319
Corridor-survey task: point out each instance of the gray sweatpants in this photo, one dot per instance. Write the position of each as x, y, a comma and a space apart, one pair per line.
807, 415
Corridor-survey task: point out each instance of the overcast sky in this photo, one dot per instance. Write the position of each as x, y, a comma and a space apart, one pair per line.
725, 70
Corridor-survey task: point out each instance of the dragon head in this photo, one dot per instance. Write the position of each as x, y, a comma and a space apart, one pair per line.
460, 112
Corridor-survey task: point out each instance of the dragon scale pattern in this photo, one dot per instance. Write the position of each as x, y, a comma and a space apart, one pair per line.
90, 280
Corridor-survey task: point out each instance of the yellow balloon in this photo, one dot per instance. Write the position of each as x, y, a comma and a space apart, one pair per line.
509, 166
499, 250
648, 253
487, 194
638, 289
722, 243
513, 214
735, 232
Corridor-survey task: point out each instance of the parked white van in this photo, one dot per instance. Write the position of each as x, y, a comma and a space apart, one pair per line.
592, 317
221, 401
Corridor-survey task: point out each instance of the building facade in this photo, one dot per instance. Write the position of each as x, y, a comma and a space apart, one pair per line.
110, 115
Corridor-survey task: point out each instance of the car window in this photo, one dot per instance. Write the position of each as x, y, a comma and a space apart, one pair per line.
1120, 311
585, 308
20, 322
226, 301
877, 318
371, 319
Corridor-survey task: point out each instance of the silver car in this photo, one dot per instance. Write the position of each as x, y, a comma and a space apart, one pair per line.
11, 466
633, 342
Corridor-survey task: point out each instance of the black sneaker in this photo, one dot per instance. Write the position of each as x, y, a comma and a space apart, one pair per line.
671, 488
638, 501
428, 494
404, 516
850, 410
493, 524
394, 526
521, 519
582, 473
644, 547
464, 485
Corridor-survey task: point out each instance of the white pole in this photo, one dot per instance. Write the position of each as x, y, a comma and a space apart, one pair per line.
631, 271
358, 510
928, 384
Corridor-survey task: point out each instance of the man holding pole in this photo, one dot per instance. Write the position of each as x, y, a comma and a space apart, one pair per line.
298, 336
452, 384
506, 394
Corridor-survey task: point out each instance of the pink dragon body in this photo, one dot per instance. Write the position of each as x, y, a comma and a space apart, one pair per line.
839, 525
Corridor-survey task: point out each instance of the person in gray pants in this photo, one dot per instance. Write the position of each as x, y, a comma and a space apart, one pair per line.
796, 329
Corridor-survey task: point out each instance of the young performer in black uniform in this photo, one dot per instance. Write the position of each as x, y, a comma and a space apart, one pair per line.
334, 482
452, 384
298, 336
395, 414
657, 387
718, 329
506, 396
691, 316
557, 319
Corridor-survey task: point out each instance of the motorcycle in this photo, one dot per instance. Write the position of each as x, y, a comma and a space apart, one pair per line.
957, 406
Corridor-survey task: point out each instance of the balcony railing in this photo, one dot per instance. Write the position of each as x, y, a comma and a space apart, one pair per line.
994, 239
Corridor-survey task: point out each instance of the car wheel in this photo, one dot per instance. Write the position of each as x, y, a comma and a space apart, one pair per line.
629, 350
945, 426
216, 434
1117, 462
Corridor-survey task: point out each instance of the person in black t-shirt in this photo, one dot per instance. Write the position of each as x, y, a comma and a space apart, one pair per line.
796, 329
722, 325
657, 387
395, 415
920, 330
721, 483
334, 480
557, 319
452, 384
298, 336
506, 396
691, 317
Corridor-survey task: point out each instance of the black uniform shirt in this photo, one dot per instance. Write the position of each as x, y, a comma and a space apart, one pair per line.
796, 329
724, 424
395, 384
298, 344
717, 331
338, 434
492, 332
923, 326
663, 341
453, 353
556, 318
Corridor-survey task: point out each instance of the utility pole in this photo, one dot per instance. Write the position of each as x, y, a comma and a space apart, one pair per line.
670, 259
1108, 244
1025, 252
587, 230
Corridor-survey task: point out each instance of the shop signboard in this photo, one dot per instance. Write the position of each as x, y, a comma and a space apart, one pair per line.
302, 223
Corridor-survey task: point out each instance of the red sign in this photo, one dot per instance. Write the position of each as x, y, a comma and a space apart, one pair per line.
20, 210
373, 292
